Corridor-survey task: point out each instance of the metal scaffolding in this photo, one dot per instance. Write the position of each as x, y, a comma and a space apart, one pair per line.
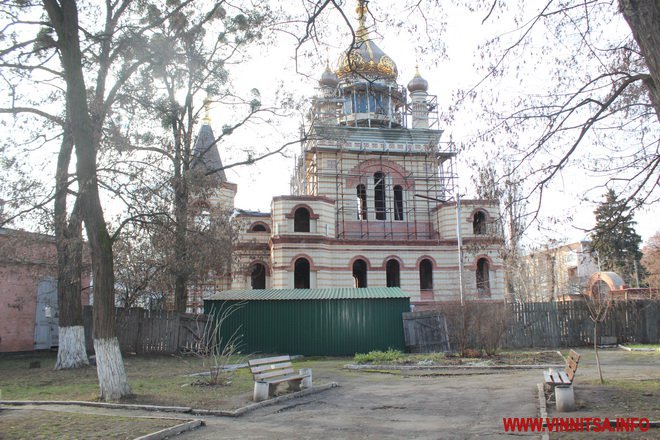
328, 166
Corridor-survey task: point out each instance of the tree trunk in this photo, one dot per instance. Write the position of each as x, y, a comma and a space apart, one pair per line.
181, 258
643, 17
71, 352
110, 369
600, 373
112, 378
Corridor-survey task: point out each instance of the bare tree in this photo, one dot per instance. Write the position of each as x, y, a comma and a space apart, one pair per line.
598, 303
27, 58
187, 66
595, 108
651, 261
512, 214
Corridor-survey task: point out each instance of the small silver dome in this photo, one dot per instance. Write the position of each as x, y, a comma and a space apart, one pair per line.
329, 78
418, 84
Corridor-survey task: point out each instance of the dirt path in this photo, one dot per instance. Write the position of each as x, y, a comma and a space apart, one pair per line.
371, 405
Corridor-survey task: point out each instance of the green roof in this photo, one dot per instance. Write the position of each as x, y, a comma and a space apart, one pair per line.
302, 294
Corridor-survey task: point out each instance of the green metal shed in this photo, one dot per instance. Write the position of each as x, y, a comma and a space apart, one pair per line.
312, 321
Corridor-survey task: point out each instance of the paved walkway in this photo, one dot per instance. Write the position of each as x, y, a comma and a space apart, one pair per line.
376, 406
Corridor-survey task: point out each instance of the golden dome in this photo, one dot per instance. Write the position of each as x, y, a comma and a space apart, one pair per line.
365, 57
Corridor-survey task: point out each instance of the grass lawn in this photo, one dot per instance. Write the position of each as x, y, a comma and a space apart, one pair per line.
158, 380
514, 357
51, 425
652, 346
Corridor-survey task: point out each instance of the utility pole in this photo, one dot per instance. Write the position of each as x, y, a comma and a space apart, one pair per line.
459, 239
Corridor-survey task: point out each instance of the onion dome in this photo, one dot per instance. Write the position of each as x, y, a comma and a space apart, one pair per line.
365, 57
418, 84
329, 78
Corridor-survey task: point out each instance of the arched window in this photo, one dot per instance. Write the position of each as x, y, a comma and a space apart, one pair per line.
258, 276
360, 273
379, 196
393, 277
479, 223
203, 220
362, 202
426, 275
301, 220
301, 274
259, 228
483, 277
398, 202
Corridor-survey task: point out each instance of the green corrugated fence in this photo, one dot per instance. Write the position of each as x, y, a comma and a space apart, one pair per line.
314, 326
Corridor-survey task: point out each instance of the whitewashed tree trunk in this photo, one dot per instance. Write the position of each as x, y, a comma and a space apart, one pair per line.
71, 352
110, 370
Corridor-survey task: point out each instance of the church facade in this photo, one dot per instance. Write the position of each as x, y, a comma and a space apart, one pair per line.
372, 202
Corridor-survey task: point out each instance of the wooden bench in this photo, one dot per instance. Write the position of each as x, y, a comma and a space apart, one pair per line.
560, 383
558, 377
270, 372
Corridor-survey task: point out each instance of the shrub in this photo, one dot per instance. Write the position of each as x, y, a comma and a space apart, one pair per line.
376, 357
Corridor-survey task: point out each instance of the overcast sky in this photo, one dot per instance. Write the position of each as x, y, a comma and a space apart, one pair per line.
447, 49
564, 216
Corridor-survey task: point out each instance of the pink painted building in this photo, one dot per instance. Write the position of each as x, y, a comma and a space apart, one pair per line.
28, 291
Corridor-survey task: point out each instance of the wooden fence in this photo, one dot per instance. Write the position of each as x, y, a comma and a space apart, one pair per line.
142, 331
531, 325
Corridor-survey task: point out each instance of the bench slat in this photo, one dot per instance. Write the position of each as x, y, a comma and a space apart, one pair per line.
564, 377
270, 367
555, 377
270, 360
548, 377
574, 355
288, 378
570, 374
571, 364
278, 373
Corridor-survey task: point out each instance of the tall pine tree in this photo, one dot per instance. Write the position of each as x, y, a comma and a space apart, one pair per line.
615, 239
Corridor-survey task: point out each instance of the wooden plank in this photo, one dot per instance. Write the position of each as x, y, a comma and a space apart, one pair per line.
564, 377
288, 378
571, 364
260, 368
571, 374
548, 377
270, 360
574, 356
556, 378
278, 373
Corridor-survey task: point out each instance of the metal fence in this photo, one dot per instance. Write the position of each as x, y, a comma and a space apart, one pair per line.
555, 324
143, 331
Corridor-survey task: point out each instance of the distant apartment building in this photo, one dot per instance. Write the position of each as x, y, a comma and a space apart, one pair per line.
557, 273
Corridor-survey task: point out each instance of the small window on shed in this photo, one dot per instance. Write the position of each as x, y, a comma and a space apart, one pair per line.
479, 223
360, 273
301, 274
393, 273
301, 220
426, 275
258, 276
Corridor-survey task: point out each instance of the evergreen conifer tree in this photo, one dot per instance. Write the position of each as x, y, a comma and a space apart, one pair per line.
615, 240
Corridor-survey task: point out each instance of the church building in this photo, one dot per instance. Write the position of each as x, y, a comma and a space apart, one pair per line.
373, 201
